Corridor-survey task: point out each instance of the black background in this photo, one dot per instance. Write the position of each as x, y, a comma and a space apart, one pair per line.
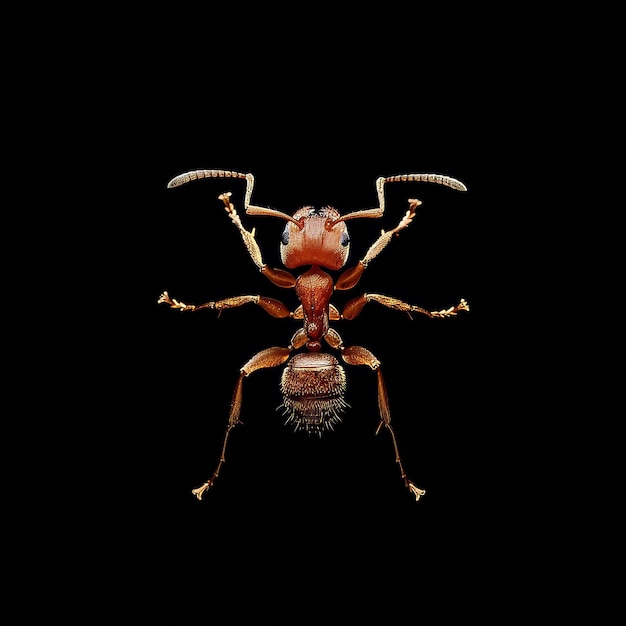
501, 414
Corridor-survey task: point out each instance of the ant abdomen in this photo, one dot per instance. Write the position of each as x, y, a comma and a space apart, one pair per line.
313, 385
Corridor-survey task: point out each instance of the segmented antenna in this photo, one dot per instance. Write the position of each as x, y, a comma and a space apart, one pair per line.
181, 179
440, 179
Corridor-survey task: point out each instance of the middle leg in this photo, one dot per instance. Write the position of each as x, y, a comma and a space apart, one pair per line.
355, 306
272, 306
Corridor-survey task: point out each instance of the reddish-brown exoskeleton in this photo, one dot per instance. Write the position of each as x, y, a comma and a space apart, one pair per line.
313, 382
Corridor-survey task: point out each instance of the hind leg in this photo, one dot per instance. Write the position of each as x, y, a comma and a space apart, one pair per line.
357, 355
271, 357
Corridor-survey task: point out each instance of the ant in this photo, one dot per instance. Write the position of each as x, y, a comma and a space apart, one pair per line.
313, 383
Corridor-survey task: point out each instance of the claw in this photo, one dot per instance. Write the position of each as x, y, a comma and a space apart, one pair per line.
461, 306
415, 490
199, 492
164, 298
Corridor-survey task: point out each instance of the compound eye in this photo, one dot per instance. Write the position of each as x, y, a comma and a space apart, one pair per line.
284, 239
345, 239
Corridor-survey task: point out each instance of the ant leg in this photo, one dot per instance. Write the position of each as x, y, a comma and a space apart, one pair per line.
272, 306
270, 357
281, 278
351, 277
355, 306
357, 355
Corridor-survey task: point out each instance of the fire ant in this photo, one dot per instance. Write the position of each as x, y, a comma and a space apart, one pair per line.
313, 383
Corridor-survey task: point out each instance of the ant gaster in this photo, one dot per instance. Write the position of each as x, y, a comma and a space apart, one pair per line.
313, 382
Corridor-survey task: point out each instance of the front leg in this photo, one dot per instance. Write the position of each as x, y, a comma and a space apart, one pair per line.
351, 277
279, 277
272, 306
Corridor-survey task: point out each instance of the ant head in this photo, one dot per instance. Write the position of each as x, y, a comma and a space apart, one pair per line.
315, 237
